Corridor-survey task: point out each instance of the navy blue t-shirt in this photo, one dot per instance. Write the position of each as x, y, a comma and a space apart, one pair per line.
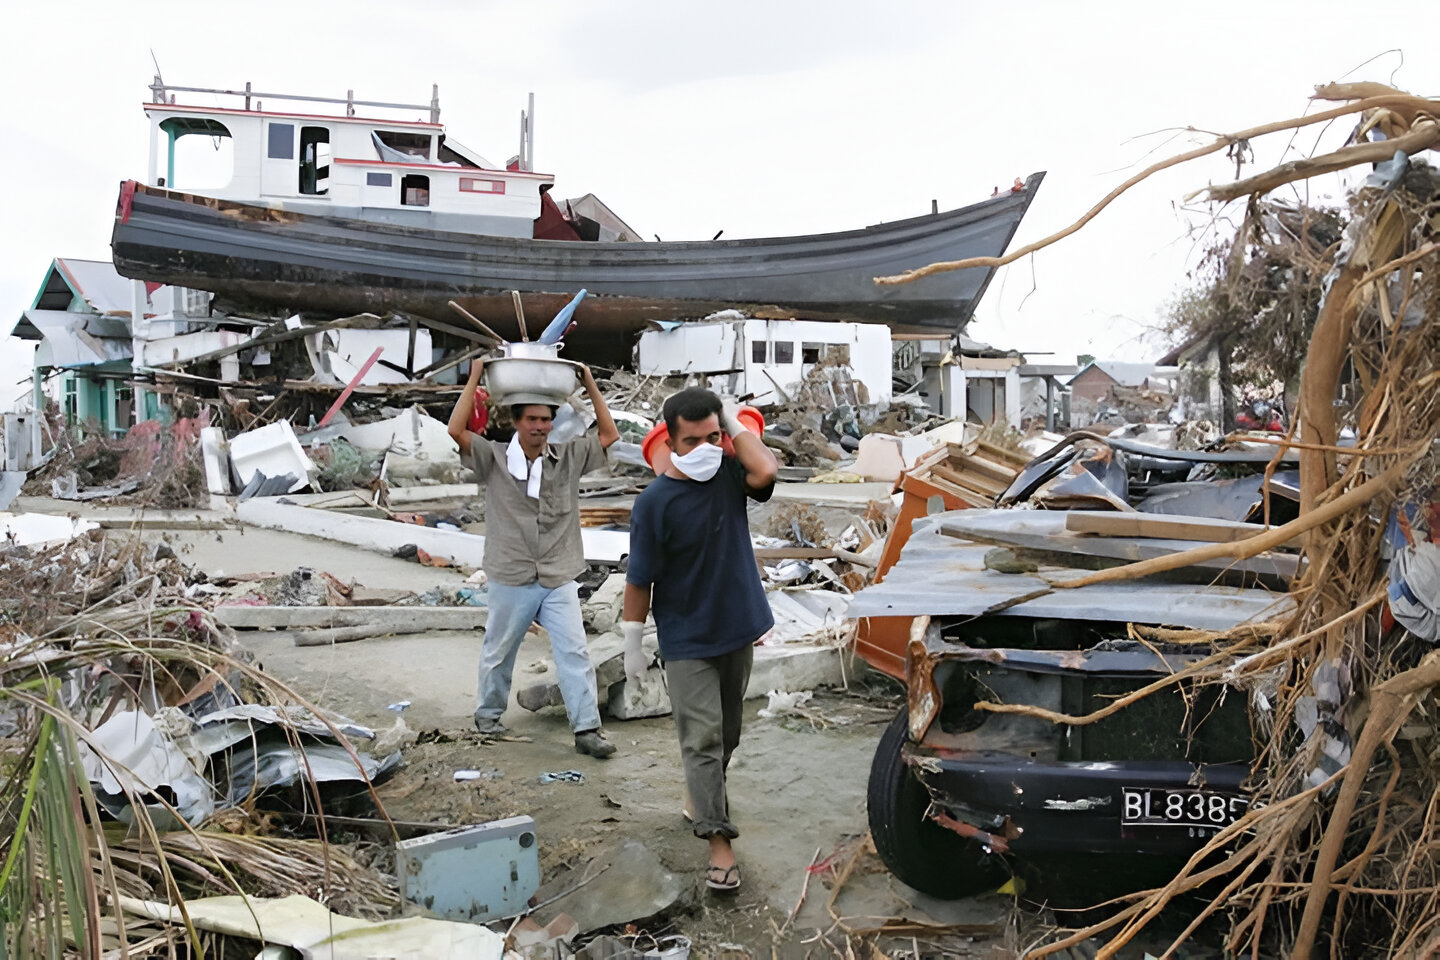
691, 542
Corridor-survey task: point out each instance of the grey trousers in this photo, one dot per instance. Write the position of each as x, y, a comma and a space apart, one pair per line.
706, 699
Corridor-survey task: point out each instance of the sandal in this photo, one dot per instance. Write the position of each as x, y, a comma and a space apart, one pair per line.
723, 878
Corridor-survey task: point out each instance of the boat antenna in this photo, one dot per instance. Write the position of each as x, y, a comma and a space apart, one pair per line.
158, 87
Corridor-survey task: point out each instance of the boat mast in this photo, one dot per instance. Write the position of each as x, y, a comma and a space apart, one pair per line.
526, 157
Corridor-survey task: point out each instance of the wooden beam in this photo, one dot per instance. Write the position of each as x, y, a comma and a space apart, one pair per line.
471, 335
410, 350
265, 340
1105, 524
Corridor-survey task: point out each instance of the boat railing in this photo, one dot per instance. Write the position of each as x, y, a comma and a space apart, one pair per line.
162, 92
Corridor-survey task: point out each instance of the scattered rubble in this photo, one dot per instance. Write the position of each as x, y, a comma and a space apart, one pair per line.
1336, 786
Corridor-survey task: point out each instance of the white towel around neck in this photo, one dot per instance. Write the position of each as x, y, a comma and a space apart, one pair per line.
523, 469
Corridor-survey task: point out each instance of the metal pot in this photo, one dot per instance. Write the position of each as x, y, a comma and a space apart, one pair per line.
532, 350
513, 379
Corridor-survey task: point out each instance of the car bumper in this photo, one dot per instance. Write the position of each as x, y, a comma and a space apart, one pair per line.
1025, 806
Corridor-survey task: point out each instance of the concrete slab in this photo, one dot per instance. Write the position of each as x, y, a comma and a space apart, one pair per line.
32, 529
387, 536
833, 494
290, 618
425, 493
633, 887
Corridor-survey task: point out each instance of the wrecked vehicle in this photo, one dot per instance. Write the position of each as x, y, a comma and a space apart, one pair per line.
988, 766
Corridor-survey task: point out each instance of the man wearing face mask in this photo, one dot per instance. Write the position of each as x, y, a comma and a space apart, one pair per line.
693, 565
533, 551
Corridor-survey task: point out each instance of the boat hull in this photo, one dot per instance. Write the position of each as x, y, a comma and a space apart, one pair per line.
255, 256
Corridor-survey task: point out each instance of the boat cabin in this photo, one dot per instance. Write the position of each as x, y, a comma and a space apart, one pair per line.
405, 172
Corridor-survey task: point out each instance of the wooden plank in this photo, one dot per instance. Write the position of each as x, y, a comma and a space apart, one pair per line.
794, 553
959, 493
1000, 455
1000, 472
1203, 529
981, 485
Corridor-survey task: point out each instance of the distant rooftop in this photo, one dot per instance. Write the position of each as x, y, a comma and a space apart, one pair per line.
1125, 374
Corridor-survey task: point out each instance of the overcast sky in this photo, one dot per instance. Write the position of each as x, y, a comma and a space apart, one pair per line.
759, 118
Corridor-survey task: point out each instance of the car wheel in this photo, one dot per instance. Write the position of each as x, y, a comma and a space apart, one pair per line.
919, 852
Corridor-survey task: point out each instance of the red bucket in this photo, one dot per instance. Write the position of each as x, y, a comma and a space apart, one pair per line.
480, 415
752, 419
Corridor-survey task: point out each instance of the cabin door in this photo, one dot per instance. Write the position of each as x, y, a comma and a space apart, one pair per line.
280, 163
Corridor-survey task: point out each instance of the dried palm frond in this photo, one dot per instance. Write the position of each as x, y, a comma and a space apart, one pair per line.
109, 626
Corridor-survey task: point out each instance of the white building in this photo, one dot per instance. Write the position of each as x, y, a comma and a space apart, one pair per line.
765, 358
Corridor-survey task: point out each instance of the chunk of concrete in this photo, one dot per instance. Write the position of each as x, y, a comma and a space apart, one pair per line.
795, 666
784, 667
629, 700
631, 887
607, 652
602, 609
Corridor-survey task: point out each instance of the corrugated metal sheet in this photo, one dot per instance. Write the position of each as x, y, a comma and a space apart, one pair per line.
940, 575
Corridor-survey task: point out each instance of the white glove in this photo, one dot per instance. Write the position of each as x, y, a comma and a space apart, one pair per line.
635, 661
730, 418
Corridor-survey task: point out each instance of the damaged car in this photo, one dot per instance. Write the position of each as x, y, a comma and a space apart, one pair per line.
985, 771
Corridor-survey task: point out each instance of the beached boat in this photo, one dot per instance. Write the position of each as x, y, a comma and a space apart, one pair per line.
340, 213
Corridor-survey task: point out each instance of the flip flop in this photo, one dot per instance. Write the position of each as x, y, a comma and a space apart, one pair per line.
723, 878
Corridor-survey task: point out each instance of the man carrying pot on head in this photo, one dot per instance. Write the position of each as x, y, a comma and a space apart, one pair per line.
533, 551
692, 563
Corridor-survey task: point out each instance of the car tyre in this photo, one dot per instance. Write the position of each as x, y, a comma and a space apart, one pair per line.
919, 852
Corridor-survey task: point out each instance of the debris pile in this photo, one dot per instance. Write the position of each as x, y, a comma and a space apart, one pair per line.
153, 465
142, 750
1333, 852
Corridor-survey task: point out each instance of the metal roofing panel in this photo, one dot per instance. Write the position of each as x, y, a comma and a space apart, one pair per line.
70, 341
940, 575
99, 283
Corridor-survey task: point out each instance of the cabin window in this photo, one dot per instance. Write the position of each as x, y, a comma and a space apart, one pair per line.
758, 351
810, 352
415, 190
378, 180
314, 160
474, 185
282, 141
448, 156
784, 351
416, 146
199, 153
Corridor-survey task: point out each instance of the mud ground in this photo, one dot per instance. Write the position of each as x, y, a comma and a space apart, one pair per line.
797, 784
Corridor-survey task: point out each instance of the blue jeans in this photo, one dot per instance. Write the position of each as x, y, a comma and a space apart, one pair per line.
512, 610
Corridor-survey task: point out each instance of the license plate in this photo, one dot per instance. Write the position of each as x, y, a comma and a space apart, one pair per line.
1161, 807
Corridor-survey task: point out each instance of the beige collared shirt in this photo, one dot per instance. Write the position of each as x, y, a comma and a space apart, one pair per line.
529, 539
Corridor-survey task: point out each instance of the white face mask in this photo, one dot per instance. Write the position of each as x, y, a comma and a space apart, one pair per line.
699, 464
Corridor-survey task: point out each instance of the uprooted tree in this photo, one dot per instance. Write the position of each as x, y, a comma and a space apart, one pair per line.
1256, 296
1339, 851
